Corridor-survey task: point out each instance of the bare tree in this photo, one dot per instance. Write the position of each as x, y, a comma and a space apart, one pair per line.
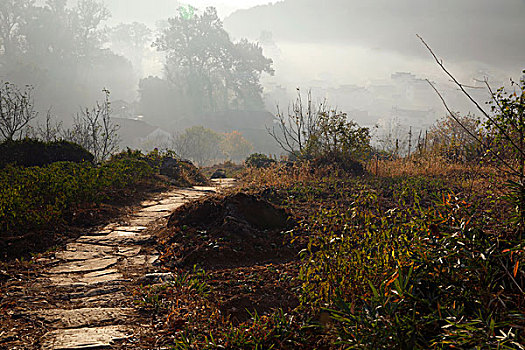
95, 131
295, 129
50, 130
16, 110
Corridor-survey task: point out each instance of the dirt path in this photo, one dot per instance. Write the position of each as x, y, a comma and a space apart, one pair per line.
82, 297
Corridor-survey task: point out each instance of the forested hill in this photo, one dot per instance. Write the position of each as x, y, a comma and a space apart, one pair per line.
484, 26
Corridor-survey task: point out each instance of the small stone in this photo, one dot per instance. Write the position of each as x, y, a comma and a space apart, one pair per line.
157, 277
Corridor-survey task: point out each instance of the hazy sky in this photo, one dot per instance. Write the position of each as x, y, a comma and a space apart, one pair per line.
153, 10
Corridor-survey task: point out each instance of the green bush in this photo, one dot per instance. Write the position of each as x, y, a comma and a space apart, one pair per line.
40, 197
29, 152
259, 160
423, 274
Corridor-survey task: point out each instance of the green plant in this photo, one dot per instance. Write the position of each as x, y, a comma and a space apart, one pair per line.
310, 131
259, 160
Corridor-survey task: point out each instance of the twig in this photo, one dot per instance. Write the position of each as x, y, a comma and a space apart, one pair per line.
452, 114
461, 86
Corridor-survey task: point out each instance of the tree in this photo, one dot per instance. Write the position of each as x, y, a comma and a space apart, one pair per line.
446, 138
14, 14
199, 144
131, 40
94, 130
310, 130
206, 67
87, 17
235, 147
16, 110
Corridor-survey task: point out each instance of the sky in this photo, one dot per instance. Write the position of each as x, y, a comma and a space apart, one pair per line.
337, 43
152, 10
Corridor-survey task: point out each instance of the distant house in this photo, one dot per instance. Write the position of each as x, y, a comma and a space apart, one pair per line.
131, 132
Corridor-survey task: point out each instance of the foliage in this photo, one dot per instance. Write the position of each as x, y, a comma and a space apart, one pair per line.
451, 141
506, 124
16, 110
198, 144
310, 131
275, 331
205, 67
61, 49
29, 152
259, 160
95, 131
507, 130
41, 197
422, 274
235, 147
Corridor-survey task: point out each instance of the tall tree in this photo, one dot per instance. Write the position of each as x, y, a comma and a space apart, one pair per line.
14, 14
131, 40
206, 66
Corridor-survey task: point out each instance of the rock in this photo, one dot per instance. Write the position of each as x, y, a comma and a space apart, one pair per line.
90, 265
152, 278
84, 338
76, 318
219, 174
135, 229
93, 278
116, 239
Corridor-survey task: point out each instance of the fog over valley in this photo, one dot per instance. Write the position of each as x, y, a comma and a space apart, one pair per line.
226, 65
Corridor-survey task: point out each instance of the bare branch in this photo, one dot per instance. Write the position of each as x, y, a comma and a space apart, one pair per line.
461, 87
475, 137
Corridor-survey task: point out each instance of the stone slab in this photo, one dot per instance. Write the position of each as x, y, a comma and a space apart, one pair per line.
102, 300
161, 208
135, 229
151, 215
82, 247
84, 266
173, 201
116, 239
208, 189
142, 260
70, 255
84, 317
128, 251
89, 279
84, 338
148, 203
93, 292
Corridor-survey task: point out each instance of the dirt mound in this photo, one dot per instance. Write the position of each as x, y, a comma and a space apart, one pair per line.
236, 230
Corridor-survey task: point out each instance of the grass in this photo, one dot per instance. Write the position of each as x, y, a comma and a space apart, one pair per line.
420, 255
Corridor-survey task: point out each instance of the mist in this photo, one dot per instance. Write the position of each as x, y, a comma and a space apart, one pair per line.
361, 57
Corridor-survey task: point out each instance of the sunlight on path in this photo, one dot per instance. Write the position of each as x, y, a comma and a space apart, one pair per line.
83, 302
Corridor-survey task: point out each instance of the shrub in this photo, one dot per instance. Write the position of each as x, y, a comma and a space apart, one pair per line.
41, 197
30, 152
259, 160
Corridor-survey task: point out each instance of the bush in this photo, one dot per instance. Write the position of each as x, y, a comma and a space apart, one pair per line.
30, 152
41, 197
259, 160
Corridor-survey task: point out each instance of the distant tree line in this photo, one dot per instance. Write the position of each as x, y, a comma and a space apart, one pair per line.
69, 55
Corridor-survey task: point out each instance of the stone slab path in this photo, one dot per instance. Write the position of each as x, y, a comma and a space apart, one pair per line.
82, 299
